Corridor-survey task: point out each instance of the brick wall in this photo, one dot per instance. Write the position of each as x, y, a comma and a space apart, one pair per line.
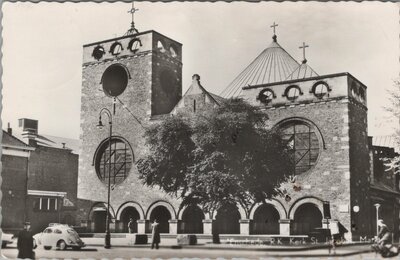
52, 169
13, 187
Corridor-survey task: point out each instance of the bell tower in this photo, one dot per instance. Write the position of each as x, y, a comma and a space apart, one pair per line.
138, 77
145, 69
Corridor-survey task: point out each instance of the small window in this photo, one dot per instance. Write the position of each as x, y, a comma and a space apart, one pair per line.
160, 46
48, 231
98, 52
362, 94
293, 92
173, 52
320, 89
116, 48
134, 45
266, 96
354, 90
57, 231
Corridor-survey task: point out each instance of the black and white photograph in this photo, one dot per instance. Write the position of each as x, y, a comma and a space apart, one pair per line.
200, 130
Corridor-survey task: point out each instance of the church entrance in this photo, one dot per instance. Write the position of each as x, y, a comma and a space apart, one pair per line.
266, 220
192, 220
162, 215
127, 213
99, 219
227, 220
306, 218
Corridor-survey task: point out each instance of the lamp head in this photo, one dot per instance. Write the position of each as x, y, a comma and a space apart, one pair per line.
100, 124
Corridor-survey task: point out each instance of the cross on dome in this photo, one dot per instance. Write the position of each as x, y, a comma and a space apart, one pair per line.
132, 11
304, 46
273, 26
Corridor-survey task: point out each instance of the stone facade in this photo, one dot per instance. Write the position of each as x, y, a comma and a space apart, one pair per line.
341, 123
332, 183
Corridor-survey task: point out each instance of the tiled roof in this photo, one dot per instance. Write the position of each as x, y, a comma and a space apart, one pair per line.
11, 140
274, 64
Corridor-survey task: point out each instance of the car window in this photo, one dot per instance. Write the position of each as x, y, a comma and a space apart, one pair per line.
57, 231
48, 230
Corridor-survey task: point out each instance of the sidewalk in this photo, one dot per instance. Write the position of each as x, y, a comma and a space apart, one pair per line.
307, 250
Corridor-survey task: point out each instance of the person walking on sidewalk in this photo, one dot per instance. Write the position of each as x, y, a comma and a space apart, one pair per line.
25, 243
155, 234
384, 235
131, 226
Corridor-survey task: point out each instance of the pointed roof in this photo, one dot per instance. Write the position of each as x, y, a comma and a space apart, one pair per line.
197, 89
303, 71
274, 64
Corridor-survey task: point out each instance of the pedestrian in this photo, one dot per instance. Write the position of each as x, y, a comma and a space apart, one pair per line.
384, 235
131, 226
25, 243
155, 234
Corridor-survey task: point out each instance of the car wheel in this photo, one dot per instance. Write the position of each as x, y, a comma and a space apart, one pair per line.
47, 247
62, 245
3, 244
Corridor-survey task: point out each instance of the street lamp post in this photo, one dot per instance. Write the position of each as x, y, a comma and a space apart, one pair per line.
107, 242
377, 205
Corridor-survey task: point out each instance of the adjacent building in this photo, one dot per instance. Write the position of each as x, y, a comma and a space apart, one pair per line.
40, 174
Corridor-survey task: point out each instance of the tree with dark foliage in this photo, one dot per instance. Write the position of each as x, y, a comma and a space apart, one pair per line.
220, 155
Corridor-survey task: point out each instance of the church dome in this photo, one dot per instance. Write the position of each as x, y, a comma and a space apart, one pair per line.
274, 64
303, 71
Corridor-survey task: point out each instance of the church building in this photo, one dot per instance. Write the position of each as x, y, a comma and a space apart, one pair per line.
132, 81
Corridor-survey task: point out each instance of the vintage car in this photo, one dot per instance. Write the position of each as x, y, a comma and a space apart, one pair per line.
6, 239
58, 236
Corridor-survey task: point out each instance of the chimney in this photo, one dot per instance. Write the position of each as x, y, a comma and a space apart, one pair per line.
9, 129
29, 129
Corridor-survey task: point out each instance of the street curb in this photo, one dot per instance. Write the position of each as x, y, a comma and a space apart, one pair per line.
244, 248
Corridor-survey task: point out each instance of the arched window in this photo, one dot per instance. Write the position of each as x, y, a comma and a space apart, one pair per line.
160, 46
320, 89
98, 52
303, 144
120, 161
292, 92
116, 48
266, 96
134, 45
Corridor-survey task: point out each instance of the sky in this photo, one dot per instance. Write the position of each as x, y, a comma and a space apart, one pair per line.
42, 48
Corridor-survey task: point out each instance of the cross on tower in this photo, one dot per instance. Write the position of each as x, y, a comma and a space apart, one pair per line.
132, 11
273, 26
304, 51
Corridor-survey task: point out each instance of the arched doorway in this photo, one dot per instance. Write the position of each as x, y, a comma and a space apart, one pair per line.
266, 220
162, 215
227, 220
192, 220
99, 220
126, 214
306, 218
98, 216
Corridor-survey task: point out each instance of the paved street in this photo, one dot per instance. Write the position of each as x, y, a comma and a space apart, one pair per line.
98, 252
